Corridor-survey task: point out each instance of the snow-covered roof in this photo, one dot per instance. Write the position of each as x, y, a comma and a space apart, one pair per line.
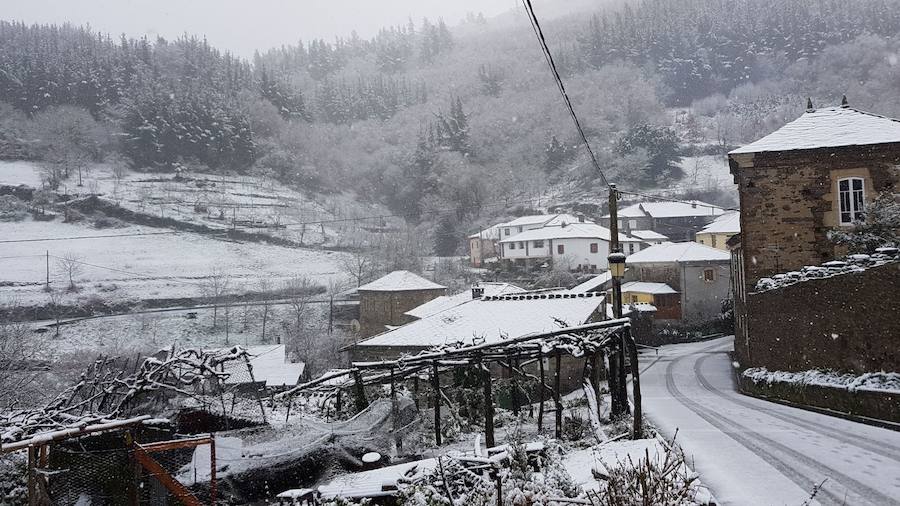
678, 252
269, 367
570, 231
594, 283
400, 281
688, 208
542, 219
488, 233
648, 235
647, 287
447, 301
828, 127
726, 224
492, 319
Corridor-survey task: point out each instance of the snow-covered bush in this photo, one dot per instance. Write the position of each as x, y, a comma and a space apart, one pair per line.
880, 227
12, 209
662, 479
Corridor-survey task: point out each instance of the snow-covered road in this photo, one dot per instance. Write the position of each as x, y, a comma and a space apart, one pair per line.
754, 452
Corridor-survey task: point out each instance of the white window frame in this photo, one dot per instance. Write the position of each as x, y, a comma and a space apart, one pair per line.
854, 206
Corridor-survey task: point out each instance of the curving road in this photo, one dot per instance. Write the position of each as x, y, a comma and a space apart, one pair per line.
754, 452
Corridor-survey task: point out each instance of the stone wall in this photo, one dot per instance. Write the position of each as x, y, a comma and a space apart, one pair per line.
847, 322
380, 308
788, 202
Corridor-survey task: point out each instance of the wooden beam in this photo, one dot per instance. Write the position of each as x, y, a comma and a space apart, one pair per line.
172, 485
540, 420
488, 405
638, 427
360, 392
436, 392
175, 444
557, 397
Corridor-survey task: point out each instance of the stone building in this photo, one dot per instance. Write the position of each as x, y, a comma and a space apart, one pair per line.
700, 275
678, 221
813, 175
384, 302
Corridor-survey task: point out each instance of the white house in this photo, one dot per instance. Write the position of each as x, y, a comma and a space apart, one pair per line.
525, 223
678, 221
580, 246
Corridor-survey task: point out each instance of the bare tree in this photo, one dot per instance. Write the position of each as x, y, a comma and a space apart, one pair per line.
94, 187
20, 350
299, 292
264, 287
54, 305
215, 288
360, 266
72, 266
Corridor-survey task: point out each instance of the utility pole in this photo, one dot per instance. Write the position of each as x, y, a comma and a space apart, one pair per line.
616, 372
48, 270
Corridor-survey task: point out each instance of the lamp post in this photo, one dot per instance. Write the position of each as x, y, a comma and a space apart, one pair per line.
617, 371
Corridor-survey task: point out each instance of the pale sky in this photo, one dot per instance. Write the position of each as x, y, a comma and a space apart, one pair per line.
242, 26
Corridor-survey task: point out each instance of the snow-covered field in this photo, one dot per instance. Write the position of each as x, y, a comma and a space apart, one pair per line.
18, 172
139, 267
705, 171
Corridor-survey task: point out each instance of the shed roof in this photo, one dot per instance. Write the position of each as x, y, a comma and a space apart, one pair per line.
447, 301
828, 127
726, 224
594, 283
676, 252
400, 281
269, 367
492, 319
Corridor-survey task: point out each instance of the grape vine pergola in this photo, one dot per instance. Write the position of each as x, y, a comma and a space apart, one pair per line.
590, 341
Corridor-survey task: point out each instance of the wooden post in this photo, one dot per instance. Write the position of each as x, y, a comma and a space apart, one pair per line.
135, 482
541, 387
488, 405
514, 385
436, 392
638, 429
361, 402
337, 401
557, 398
212, 469
395, 412
623, 377
416, 390
612, 379
48, 271
595, 378
262, 408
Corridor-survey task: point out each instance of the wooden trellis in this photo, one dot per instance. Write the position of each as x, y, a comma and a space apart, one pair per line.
587, 341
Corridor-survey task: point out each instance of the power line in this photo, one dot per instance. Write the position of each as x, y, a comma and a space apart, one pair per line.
536, 26
42, 239
147, 276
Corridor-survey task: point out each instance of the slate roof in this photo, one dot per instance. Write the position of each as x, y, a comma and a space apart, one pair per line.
400, 281
541, 219
447, 301
670, 210
726, 224
648, 235
678, 252
647, 287
571, 231
829, 127
492, 319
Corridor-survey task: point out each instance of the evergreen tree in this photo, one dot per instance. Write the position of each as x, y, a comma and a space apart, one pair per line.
556, 154
661, 145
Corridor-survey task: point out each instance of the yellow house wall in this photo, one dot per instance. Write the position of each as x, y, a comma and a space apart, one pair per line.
641, 297
707, 240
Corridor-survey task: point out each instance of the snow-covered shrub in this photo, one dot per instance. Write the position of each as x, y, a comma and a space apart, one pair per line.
12, 209
881, 227
662, 479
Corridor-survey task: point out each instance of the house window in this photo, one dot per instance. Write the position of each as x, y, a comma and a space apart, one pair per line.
538, 244
521, 245
634, 299
560, 249
520, 230
594, 247
632, 224
630, 248
851, 197
709, 275
512, 245
505, 231
713, 240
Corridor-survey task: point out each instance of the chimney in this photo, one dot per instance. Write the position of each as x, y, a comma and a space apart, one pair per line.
809, 105
477, 291
580, 218
844, 103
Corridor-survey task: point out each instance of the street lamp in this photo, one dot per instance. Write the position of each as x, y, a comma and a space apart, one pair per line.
616, 264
